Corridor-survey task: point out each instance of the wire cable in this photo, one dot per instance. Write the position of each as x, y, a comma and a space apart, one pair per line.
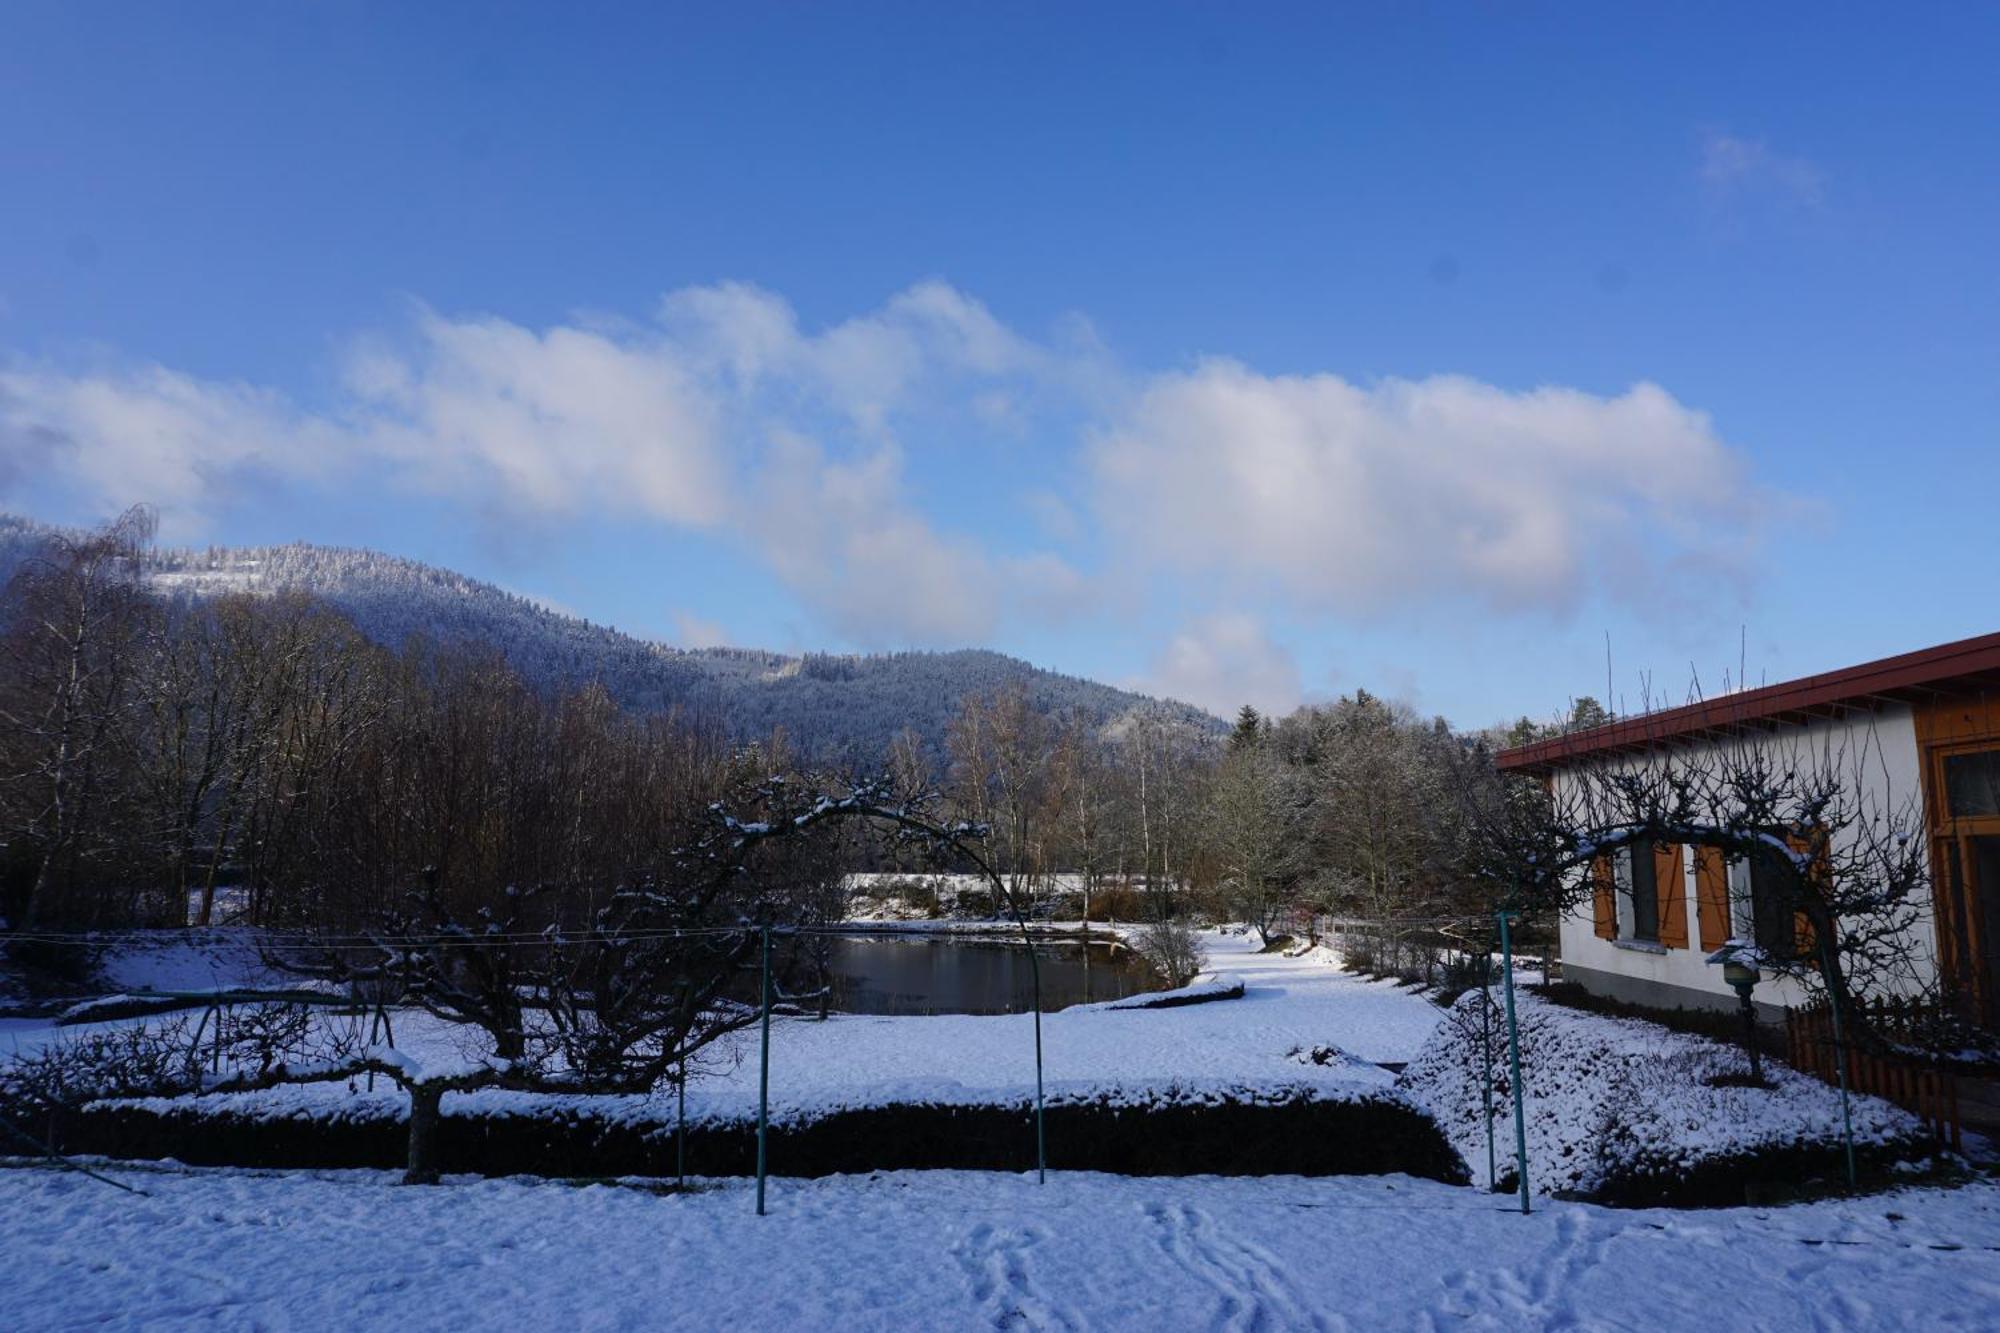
64, 1162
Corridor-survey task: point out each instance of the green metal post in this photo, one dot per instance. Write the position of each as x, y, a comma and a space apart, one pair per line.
1002, 893
764, 1074
1514, 1060
1840, 1063
1486, 1060
1041, 1144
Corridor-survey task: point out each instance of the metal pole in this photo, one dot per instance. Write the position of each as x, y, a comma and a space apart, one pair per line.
764, 1074
1002, 892
1514, 1060
1840, 1063
681, 1126
200, 1031
1486, 1060
1750, 1036
1041, 1145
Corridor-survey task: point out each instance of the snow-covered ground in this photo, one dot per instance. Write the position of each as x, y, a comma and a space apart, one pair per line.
948, 1250
1261, 1043
1289, 1006
1610, 1097
191, 960
274, 1250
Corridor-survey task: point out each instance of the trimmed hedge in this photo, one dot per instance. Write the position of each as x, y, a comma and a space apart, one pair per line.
1778, 1174
1370, 1135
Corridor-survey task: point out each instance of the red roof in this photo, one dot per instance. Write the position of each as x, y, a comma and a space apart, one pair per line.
1968, 666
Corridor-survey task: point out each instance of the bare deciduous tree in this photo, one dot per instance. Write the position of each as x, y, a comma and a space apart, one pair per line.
1835, 878
76, 620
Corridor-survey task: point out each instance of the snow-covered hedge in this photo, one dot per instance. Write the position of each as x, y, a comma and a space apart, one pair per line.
1224, 986
1623, 1110
1298, 1126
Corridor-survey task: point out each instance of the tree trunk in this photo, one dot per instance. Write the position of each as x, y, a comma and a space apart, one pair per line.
31, 912
424, 1117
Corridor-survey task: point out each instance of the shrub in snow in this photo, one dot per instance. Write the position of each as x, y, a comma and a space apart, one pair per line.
1175, 950
1626, 1111
41, 1086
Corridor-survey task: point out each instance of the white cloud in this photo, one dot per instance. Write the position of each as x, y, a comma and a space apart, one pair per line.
691, 631
1732, 167
1053, 515
1223, 661
724, 415
842, 534
156, 436
562, 422
864, 367
1357, 498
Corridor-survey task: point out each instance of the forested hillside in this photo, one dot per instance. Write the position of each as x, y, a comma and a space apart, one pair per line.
830, 706
330, 731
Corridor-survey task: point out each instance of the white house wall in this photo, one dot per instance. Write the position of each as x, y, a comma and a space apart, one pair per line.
1878, 751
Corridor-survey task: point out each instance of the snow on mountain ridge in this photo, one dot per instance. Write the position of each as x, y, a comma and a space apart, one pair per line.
830, 705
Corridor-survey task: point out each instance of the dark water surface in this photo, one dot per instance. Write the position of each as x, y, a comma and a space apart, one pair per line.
916, 974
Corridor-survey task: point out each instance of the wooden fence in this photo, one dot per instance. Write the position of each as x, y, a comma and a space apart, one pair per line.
1910, 1081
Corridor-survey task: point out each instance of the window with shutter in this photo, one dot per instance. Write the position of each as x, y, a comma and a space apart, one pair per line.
1670, 882
1812, 844
1603, 903
1759, 899
1644, 870
1711, 896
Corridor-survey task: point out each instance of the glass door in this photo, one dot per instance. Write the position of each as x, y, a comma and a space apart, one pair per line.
1967, 865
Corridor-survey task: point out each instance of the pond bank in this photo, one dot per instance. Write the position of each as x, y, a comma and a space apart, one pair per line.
957, 972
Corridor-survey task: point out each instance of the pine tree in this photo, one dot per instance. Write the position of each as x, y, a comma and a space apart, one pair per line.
1249, 728
1586, 713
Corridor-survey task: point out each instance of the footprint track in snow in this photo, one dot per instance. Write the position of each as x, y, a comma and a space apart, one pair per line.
1252, 1292
995, 1263
1541, 1299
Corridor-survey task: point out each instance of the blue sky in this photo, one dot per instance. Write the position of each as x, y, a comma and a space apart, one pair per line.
1262, 355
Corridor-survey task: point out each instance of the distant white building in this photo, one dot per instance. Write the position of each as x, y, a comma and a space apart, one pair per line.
1922, 728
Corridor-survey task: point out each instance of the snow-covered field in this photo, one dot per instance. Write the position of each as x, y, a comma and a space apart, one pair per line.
1262, 1042
1289, 1005
952, 1250
939, 1250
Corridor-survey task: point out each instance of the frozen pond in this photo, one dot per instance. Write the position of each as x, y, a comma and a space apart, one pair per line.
917, 974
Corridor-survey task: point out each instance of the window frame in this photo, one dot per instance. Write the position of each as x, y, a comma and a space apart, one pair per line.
1749, 916
1636, 926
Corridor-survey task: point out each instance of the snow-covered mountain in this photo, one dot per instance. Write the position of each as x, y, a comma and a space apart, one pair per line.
830, 705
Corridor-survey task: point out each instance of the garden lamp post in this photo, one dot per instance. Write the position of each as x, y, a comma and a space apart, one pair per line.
1739, 970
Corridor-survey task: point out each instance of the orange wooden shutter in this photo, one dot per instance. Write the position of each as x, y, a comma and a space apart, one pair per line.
1813, 843
1671, 892
1603, 906
1711, 896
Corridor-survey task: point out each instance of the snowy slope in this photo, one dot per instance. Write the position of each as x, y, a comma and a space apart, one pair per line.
1619, 1097
830, 705
188, 960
